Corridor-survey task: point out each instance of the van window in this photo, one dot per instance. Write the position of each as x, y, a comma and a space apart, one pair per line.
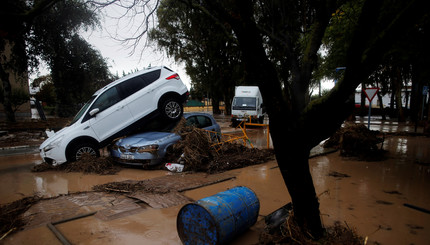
244, 103
135, 84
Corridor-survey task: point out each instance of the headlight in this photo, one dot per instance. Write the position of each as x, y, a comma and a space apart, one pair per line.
147, 148
53, 144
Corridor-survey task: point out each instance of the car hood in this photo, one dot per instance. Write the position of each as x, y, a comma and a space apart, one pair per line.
147, 138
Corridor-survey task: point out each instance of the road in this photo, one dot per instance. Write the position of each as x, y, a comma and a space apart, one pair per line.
372, 199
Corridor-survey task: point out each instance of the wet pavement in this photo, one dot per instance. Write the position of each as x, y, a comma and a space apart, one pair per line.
377, 199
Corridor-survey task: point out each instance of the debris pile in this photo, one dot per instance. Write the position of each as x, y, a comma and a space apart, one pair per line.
195, 151
289, 232
357, 141
87, 164
200, 155
10, 215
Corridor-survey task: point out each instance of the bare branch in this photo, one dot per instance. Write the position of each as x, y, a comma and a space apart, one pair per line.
131, 20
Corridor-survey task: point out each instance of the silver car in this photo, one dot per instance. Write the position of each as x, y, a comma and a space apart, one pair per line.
149, 148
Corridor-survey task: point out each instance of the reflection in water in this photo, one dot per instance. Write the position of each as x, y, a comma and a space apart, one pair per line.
320, 171
402, 146
371, 200
51, 185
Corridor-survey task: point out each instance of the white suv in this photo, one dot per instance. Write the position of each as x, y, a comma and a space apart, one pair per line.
116, 110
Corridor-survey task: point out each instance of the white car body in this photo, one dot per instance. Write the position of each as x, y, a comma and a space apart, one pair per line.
115, 111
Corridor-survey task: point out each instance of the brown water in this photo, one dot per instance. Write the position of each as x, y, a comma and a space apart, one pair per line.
371, 200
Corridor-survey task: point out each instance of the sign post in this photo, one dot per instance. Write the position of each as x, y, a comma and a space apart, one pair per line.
370, 94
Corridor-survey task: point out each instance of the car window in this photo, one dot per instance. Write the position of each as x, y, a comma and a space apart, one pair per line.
199, 121
204, 121
135, 84
82, 110
192, 121
107, 99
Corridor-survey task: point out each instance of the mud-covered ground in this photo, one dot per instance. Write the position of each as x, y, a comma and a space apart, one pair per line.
29, 132
365, 198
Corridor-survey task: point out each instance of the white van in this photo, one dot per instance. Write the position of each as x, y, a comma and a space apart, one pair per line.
247, 103
116, 110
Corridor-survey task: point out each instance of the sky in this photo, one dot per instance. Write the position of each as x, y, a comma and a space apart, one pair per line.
117, 55
122, 23
119, 59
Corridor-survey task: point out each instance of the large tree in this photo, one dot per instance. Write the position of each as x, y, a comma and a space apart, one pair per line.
15, 19
279, 42
210, 53
48, 30
399, 68
298, 27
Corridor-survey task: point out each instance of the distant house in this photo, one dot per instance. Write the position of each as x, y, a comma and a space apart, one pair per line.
386, 98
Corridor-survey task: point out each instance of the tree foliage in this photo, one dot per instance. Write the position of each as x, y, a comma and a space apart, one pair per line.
210, 53
399, 64
280, 43
48, 30
77, 69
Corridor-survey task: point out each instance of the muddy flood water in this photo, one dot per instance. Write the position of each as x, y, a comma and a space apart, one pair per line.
388, 201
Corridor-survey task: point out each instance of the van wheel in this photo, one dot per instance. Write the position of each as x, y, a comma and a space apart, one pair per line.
261, 120
81, 149
172, 109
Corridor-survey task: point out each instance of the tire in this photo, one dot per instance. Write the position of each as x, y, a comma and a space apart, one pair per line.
261, 120
171, 110
80, 149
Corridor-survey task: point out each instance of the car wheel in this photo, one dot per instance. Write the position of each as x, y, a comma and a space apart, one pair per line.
82, 149
172, 109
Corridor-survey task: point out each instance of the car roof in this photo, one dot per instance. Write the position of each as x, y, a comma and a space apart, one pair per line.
130, 76
188, 114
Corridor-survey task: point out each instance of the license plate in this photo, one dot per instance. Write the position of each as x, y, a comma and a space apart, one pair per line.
127, 157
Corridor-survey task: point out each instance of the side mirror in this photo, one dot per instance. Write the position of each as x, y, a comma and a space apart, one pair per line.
94, 111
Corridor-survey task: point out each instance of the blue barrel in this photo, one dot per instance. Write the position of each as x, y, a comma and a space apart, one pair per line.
219, 218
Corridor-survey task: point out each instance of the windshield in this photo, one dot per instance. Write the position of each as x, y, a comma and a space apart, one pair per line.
244, 103
82, 110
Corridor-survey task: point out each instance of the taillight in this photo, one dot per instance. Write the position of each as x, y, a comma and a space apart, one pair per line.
174, 76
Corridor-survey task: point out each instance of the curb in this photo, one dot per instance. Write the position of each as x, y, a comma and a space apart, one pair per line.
15, 147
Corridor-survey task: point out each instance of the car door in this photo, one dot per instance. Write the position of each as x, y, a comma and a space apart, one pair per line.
140, 93
113, 115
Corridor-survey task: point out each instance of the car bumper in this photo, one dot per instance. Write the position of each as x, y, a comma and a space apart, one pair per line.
53, 156
136, 159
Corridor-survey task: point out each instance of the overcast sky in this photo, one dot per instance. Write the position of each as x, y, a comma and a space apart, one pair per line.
119, 59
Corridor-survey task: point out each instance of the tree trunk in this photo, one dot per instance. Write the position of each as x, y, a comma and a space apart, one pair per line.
381, 106
363, 110
293, 161
7, 93
398, 85
215, 106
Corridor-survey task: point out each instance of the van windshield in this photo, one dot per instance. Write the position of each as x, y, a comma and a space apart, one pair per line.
244, 103
82, 110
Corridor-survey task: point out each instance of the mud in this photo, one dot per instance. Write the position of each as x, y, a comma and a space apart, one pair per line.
87, 164
376, 200
30, 132
290, 233
10, 214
